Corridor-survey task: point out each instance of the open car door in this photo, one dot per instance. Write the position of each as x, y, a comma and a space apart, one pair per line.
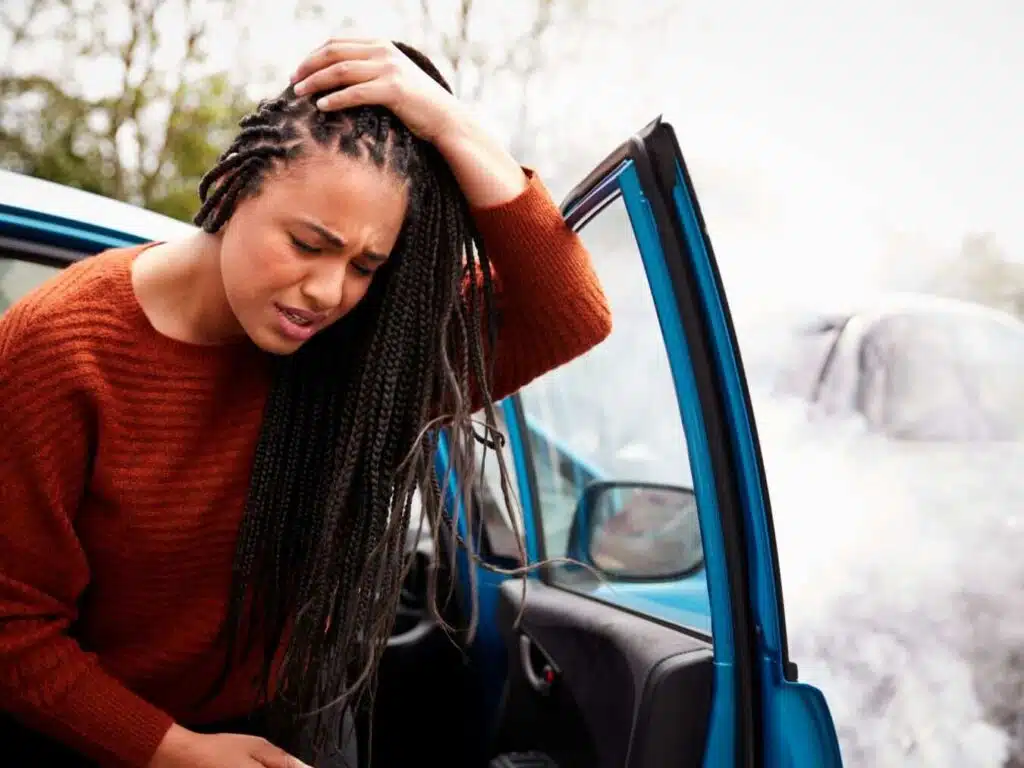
654, 634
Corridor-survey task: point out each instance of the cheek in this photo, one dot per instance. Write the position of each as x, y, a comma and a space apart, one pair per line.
255, 268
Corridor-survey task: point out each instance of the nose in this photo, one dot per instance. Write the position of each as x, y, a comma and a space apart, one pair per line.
324, 286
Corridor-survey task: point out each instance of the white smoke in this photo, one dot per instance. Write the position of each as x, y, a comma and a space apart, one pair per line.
901, 576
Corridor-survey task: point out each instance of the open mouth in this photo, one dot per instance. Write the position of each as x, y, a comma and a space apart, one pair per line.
298, 324
296, 318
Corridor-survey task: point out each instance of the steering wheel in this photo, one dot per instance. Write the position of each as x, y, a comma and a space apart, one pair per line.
414, 620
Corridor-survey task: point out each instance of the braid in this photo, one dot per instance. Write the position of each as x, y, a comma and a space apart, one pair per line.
344, 443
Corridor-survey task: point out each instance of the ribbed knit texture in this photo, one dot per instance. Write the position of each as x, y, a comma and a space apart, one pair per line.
124, 466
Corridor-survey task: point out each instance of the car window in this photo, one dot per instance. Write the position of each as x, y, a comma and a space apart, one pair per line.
944, 376
611, 416
18, 277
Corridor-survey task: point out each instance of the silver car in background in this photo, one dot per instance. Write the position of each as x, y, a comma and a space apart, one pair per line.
914, 368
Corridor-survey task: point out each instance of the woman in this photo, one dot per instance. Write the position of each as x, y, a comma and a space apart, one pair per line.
211, 445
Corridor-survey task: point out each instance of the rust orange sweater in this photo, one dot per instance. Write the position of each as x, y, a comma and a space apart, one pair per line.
124, 463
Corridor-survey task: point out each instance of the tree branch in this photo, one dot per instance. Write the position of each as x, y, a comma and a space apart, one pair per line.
195, 31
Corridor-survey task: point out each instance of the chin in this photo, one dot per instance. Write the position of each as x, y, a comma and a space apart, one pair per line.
273, 343
280, 350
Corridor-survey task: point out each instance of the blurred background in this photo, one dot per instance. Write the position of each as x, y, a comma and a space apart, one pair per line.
860, 167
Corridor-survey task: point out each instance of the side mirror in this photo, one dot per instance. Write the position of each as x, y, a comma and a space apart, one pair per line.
632, 531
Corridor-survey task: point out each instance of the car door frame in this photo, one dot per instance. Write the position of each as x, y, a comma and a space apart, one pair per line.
755, 681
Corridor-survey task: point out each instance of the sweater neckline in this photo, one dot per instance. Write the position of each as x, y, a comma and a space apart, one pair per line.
136, 316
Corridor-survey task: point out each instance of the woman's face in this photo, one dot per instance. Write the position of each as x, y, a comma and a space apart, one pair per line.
301, 253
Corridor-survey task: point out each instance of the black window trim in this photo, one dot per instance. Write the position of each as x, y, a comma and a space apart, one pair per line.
39, 253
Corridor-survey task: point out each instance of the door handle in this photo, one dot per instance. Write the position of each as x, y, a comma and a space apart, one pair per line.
532, 656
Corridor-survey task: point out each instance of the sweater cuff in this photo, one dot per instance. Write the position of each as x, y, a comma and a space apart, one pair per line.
122, 724
104, 721
490, 217
532, 249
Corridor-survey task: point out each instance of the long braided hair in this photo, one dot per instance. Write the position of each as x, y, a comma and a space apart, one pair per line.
352, 422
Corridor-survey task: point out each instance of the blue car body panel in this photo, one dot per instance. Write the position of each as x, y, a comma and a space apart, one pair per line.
796, 727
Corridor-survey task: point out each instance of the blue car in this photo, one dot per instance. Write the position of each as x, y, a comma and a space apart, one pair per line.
652, 631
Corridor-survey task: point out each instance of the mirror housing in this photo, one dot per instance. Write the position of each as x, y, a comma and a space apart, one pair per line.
635, 531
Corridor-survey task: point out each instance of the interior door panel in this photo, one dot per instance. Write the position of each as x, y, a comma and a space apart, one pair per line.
624, 690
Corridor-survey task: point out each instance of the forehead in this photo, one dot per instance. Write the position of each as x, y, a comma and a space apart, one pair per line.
337, 190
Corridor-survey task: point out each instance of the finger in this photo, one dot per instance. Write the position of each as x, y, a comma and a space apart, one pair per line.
333, 52
378, 91
356, 39
351, 39
281, 761
343, 73
269, 756
347, 41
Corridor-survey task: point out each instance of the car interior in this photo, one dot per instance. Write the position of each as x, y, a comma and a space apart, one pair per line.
586, 684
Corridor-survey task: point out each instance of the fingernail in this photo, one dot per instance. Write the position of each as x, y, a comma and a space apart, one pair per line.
300, 88
322, 104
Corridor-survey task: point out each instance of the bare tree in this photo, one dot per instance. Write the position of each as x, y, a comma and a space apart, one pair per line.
493, 53
523, 55
149, 136
981, 272
503, 57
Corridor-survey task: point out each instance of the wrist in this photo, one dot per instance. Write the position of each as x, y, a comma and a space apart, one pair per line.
455, 128
488, 175
175, 742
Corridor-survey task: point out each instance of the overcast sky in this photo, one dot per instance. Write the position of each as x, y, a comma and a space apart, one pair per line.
828, 138
836, 143
828, 128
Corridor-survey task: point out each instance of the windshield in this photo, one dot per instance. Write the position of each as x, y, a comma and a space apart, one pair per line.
944, 377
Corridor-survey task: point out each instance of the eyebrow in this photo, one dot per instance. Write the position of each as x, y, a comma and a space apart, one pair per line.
338, 242
325, 233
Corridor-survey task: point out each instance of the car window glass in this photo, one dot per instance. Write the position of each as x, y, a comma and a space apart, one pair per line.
612, 416
18, 277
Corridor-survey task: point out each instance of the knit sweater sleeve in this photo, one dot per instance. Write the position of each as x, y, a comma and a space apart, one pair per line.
47, 681
551, 308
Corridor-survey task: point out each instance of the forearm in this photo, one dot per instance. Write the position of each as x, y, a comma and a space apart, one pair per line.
488, 175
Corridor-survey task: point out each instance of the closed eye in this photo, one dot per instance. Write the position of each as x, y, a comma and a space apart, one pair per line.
361, 269
303, 246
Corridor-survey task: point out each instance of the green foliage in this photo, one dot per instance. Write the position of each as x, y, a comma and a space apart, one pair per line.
150, 137
199, 129
118, 97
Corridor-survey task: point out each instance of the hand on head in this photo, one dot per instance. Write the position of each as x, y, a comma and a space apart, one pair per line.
355, 72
